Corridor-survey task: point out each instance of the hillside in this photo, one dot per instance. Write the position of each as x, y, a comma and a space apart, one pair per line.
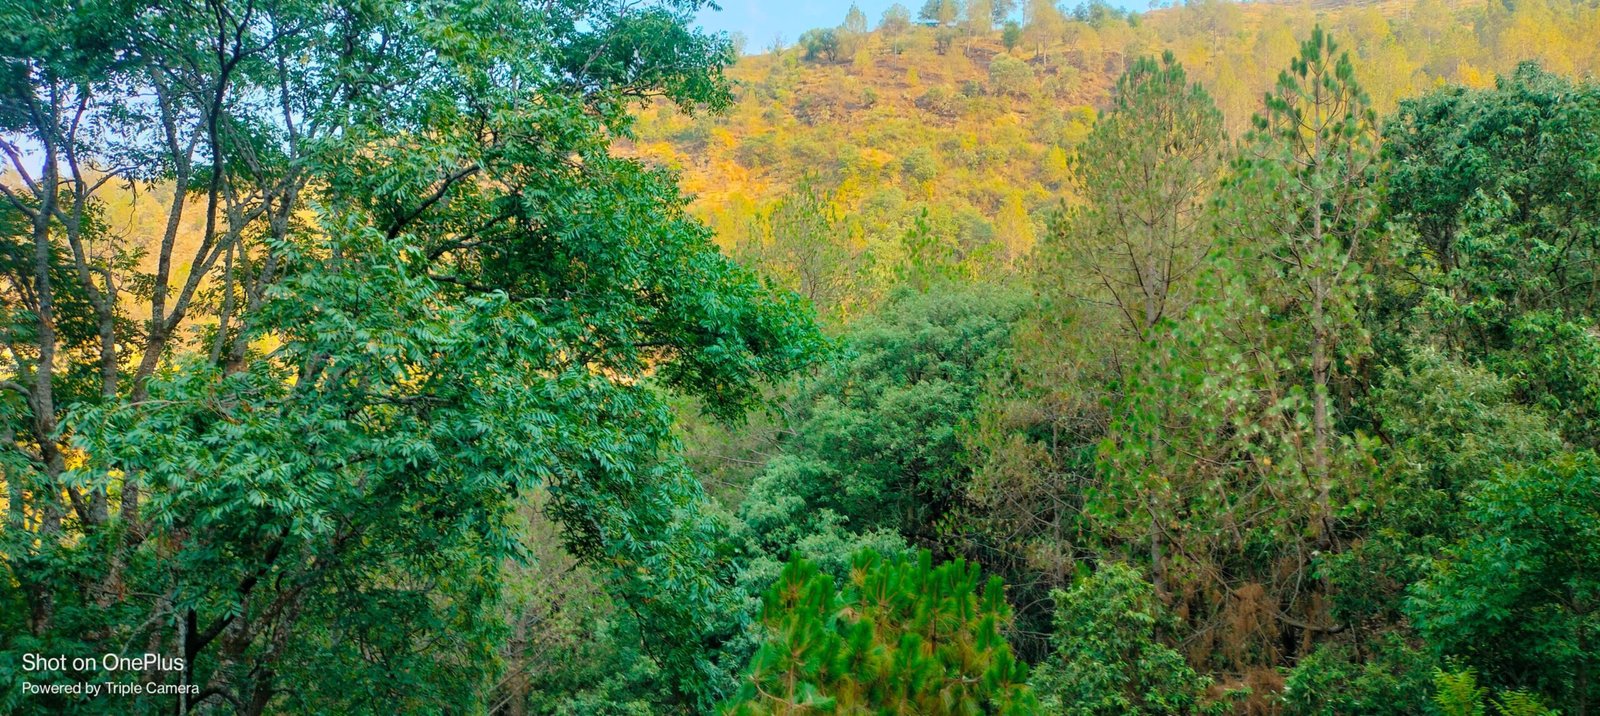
374, 357
906, 117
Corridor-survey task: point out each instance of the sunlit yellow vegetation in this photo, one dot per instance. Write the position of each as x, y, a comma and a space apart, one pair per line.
983, 136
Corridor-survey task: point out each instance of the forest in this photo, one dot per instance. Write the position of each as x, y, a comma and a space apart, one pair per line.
563, 357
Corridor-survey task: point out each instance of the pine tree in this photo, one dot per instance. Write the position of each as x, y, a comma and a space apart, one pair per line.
1147, 170
903, 636
1315, 147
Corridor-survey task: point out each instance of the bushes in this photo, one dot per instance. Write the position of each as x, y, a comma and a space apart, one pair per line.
920, 165
938, 101
1108, 659
1391, 678
1010, 77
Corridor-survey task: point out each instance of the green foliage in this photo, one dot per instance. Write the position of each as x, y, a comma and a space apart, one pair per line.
938, 102
1147, 169
1514, 594
929, 256
1388, 677
900, 636
920, 165
391, 417
855, 21
1011, 35
1108, 655
426, 289
1501, 191
1448, 427
1009, 76
1522, 703
1224, 453
896, 20
1310, 169
821, 44
1120, 268
1098, 13
876, 438
1483, 455
943, 12
572, 649
1234, 50
1002, 9
802, 242
1458, 694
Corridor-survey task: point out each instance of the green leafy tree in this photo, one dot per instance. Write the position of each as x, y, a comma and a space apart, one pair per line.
1447, 427
1458, 693
1318, 147
1120, 267
941, 12
979, 19
1011, 77
1043, 22
900, 636
853, 32
801, 241
1011, 34
821, 44
855, 21
1515, 595
1387, 676
425, 289
1128, 258
1098, 14
1224, 438
875, 435
896, 20
1500, 264
1108, 656
1522, 703
929, 256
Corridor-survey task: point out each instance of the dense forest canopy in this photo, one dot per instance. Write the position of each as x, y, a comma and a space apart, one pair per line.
987, 357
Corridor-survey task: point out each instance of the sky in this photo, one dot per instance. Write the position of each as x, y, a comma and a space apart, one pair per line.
761, 20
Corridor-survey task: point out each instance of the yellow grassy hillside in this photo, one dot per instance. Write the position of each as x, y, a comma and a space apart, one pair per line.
982, 135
